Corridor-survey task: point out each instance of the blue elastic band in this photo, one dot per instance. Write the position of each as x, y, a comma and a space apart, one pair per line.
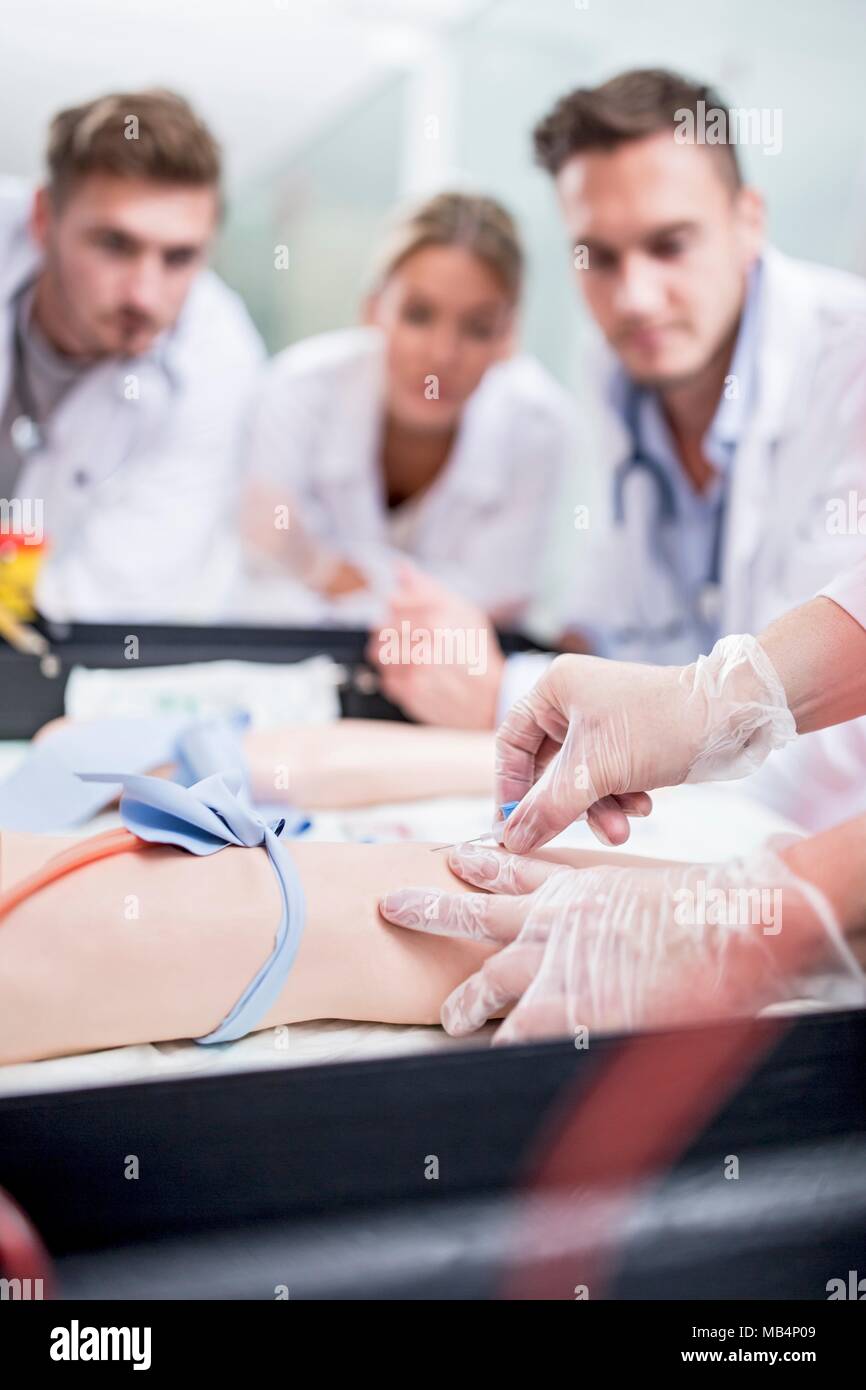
203, 819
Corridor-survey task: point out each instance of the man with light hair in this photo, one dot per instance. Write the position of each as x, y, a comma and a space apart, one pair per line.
125, 365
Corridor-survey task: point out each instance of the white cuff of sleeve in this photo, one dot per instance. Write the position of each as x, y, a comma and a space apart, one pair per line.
518, 677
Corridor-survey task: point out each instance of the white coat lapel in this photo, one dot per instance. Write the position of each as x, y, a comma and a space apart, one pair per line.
785, 342
91, 435
348, 469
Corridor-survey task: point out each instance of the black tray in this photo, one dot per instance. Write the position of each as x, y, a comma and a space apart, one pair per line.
29, 698
277, 1165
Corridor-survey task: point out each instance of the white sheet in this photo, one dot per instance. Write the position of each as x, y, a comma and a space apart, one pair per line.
303, 691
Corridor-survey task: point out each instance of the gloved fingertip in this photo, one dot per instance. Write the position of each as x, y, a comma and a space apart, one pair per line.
473, 865
390, 905
466, 850
453, 1021
620, 832
501, 1039
611, 827
517, 839
411, 907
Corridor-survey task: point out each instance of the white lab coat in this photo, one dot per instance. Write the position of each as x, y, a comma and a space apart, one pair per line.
803, 452
820, 780
804, 444
139, 474
481, 527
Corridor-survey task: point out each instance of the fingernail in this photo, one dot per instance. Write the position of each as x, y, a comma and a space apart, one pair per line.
390, 905
410, 907
482, 863
422, 909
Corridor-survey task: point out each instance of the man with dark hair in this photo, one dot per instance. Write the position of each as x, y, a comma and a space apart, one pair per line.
126, 365
729, 389
631, 106
665, 235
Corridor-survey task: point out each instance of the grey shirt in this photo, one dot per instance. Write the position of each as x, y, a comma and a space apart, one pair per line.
40, 378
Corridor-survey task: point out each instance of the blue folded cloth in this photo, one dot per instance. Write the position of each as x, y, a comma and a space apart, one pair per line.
45, 793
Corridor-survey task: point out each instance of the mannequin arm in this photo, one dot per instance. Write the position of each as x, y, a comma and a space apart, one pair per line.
157, 944
819, 651
358, 762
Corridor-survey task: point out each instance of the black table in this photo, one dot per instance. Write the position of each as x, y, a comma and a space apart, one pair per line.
315, 1176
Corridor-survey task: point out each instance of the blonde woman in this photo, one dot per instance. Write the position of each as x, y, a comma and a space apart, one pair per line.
421, 434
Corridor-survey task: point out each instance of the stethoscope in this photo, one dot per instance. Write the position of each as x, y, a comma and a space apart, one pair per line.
26, 431
706, 608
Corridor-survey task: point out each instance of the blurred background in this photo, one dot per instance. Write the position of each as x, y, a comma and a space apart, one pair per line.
333, 111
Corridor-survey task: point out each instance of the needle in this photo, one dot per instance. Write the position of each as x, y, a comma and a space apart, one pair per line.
505, 809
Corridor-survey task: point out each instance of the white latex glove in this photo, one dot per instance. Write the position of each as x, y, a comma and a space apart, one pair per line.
615, 948
593, 736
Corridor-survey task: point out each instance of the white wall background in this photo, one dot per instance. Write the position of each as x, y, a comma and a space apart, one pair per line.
323, 108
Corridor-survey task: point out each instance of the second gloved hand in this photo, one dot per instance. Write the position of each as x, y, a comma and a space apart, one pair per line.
613, 948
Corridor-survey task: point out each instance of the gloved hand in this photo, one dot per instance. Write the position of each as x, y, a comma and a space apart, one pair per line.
593, 736
613, 948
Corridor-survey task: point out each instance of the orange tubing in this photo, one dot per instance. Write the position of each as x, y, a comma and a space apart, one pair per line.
88, 851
